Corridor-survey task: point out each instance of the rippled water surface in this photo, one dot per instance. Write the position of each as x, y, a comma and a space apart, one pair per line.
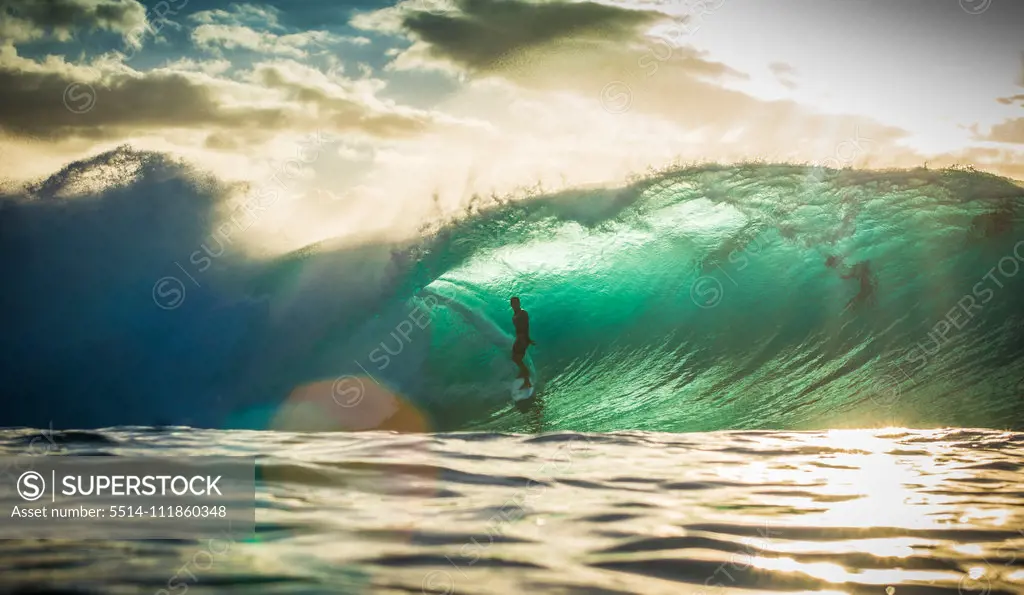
882, 511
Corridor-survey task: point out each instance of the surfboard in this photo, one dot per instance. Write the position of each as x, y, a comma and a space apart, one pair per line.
518, 392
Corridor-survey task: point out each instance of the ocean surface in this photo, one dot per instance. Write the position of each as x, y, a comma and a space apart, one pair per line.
722, 353
845, 511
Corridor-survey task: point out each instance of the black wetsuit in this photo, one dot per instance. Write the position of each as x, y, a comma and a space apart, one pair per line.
862, 273
521, 320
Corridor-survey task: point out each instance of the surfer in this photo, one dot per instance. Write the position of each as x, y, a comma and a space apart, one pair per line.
995, 223
521, 322
862, 273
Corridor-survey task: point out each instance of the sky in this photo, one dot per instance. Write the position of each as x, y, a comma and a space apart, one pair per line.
377, 116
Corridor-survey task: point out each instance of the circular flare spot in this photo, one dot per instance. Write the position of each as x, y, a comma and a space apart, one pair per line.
348, 404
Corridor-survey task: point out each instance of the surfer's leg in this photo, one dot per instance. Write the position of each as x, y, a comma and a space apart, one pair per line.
517, 356
524, 373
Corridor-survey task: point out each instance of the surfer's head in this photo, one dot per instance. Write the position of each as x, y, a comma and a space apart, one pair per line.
515, 303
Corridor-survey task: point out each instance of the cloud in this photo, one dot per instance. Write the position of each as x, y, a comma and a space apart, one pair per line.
586, 92
15, 30
488, 34
784, 73
351, 105
491, 35
254, 28
55, 103
241, 37
555, 46
264, 16
570, 92
55, 100
640, 77
1010, 131
211, 67
24, 20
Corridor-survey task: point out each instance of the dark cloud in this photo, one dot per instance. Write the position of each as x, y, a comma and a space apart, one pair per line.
62, 17
485, 35
53, 105
618, 59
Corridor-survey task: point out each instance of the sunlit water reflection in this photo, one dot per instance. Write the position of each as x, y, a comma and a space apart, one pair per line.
883, 511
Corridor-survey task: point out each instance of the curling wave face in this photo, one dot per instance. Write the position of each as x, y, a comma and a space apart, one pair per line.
717, 297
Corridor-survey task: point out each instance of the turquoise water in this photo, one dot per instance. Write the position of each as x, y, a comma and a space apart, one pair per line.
700, 299
724, 513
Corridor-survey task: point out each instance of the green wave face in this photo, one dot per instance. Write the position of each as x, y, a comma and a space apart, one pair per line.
737, 297
709, 298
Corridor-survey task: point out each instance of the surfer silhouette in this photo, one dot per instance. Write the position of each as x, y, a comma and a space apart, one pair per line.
521, 322
862, 273
994, 223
